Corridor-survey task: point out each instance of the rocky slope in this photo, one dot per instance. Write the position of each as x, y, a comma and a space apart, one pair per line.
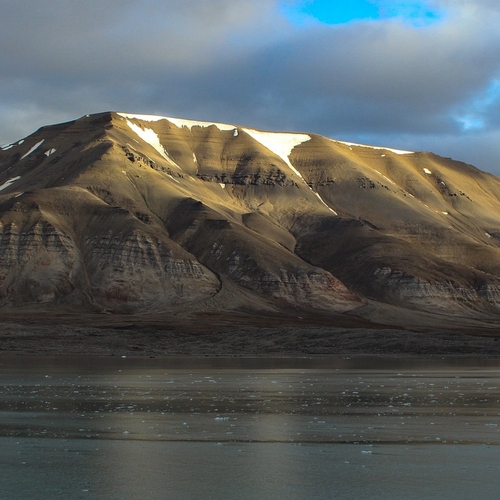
129, 213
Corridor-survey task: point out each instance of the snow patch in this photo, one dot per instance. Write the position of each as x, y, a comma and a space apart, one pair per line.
173, 178
222, 185
194, 158
235, 133
323, 201
396, 151
5, 185
36, 146
9, 146
281, 144
427, 171
385, 177
140, 152
151, 137
178, 122
144, 118
488, 235
50, 152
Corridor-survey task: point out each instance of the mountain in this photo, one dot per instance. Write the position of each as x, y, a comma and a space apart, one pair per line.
137, 214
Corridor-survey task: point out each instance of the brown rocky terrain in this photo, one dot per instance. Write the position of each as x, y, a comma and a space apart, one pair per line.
159, 219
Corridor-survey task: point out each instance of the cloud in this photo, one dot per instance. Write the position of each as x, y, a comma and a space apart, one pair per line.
242, 61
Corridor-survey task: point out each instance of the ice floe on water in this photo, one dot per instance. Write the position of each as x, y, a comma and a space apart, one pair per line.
219, 423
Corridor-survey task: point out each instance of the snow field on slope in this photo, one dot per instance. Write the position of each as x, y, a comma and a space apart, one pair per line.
36, 146
282, 144
178, 122
5, 185
151, 137
279, 143
396, 151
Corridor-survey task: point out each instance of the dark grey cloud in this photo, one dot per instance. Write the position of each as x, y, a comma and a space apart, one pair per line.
240, 61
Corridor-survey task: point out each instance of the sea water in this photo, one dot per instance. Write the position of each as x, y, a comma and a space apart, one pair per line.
239, 428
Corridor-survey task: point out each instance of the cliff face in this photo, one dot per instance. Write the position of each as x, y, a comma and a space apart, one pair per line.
129, 213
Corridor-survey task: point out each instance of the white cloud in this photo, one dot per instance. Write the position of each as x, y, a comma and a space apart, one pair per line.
242, 61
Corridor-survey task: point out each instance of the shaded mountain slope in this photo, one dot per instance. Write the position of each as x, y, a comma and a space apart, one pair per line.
131, 213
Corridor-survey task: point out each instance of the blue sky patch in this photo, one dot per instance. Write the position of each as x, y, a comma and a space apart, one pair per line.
416, 13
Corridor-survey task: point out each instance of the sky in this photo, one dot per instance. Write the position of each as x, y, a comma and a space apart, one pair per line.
421, 75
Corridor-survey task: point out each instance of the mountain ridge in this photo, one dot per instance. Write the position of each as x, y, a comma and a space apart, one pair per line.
123, 213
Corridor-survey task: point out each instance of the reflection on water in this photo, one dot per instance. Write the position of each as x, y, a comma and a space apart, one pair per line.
249, 428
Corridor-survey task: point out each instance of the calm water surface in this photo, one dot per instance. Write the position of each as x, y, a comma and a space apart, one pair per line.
187, 428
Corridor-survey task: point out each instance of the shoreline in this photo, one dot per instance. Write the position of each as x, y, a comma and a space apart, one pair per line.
241, 342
